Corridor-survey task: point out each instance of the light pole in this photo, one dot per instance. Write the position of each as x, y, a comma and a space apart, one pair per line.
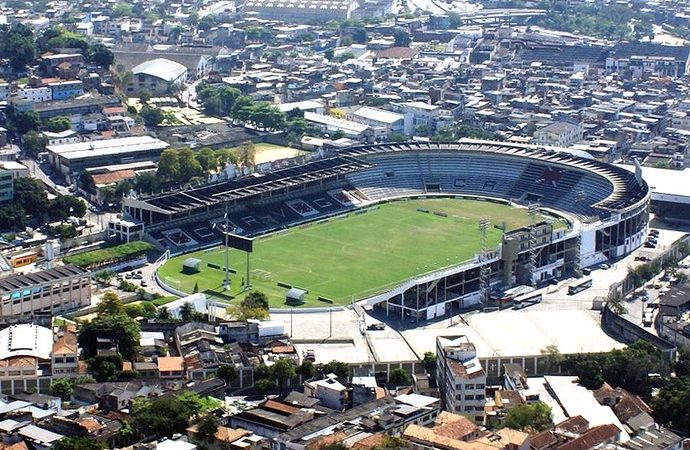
226, 286
226, 283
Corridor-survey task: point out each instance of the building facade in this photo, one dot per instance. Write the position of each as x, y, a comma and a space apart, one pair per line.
45, 293
461, 378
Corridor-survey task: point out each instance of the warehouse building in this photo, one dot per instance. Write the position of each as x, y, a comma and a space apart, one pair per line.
46, 293
71, 159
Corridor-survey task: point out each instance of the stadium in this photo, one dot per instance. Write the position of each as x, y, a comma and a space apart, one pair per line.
397, 226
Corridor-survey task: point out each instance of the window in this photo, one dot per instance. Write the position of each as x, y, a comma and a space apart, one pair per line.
469, 397
469, 386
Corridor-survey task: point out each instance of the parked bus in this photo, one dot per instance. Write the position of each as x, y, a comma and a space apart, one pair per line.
23, 259
579, 287
527, 300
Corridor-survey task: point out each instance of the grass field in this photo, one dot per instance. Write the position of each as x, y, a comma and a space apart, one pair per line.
354, 256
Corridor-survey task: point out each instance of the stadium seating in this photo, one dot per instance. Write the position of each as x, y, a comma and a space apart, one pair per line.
399, 174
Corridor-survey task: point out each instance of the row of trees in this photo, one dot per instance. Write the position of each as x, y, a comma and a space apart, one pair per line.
31, 204
229, 101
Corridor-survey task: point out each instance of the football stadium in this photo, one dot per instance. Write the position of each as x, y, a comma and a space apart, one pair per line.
412, 228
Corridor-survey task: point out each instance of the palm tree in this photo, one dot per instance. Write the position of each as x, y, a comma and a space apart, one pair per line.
187, 312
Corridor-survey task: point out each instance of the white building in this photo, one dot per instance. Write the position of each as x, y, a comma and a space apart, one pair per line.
560, 134
461, 378
198, 301
36, 95
423, 114
391, 121
157, 76
330, 391
62, 137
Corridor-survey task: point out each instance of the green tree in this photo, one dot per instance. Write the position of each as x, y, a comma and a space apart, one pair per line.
242, 313
255, 299
64, 206
105, 367
682, 365
189, 166
227, 373
246, 154
430, 362
110, 304
163, 315
207, 427
284, 370
208, 160
121, 329
264, 386
61, 387
169, 165
167, 416
22, 122
399, 377
58, 123
670, 405
78, 443
553, 357
307, 369
17, 44
147, 182
64, 231
152, 116
34, 143
30, 194
12, 217
340, 369
402, 38
187, 312
590, 374
101, 55
529, 417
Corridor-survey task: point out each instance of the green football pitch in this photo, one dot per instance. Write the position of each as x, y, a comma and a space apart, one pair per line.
355, 256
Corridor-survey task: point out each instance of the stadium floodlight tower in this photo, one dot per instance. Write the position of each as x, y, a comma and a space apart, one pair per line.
485, 268
580, 198
226, 283
533, 211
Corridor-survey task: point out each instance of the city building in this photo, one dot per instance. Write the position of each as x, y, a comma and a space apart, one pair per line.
71, 159
461, 378
45, 293
66, 89
157, 76
559, 134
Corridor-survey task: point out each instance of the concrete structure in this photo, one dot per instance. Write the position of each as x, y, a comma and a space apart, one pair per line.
392, 122
330, 391
559, 134
6, 186
66, 89
36, 95
44, 293
158, 76
301, 10
71, 159
461, 378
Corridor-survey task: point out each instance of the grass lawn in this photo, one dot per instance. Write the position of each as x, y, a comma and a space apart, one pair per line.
354, 256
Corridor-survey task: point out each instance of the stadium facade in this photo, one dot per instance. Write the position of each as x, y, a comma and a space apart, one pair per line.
607, 208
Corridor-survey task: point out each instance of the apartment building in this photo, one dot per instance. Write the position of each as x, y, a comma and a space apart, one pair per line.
461, 378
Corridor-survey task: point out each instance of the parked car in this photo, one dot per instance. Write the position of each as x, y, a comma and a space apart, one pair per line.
604, 266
